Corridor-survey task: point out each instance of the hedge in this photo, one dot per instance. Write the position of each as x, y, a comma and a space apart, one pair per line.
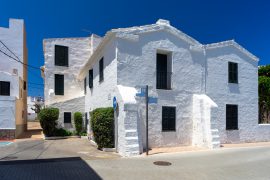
102, 123
78, 120
48, 118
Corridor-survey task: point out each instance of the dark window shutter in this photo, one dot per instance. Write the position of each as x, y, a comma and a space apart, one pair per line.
101, 75
61, 55
91, 78
168, 118
24, 85
67, 117
233, 72
4, 88
231, 117
162, 71
85, 85
59, 84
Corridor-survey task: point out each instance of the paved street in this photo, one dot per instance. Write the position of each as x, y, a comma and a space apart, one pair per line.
227, 164
76, 158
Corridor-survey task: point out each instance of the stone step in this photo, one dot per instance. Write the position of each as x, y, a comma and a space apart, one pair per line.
215, 138
216, 144
132, 148
214, 132
131, 133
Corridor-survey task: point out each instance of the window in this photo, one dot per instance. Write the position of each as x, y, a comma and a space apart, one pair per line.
4, 88
61, 55
101, 75
67, 117
59, 84
86, 121
163, 78
85, 85
168, 118
91, 78
233, 72
231, 117
24, 85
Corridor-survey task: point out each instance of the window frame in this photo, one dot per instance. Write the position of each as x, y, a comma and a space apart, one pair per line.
229, 119
101, 69
233, 72
164, 77
57, 55
91, 78
69, 113
57, 90
2, 91
168, 128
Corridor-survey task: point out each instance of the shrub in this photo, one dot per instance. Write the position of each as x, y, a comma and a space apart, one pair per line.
78, 119
48, 117
102, 123
62, 132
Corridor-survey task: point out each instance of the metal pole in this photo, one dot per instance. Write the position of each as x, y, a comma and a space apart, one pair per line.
146, 101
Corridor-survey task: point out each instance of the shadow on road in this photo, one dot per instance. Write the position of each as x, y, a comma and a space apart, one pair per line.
45, 169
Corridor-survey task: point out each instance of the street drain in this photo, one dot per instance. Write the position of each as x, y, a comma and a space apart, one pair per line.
9, 158
162, 163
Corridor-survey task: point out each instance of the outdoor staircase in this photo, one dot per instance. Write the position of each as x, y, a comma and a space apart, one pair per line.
132, 142
215, 136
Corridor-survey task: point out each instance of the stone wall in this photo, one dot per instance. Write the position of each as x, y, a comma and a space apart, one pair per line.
7, 134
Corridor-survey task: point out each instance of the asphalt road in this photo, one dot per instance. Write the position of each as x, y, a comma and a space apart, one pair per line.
252, 163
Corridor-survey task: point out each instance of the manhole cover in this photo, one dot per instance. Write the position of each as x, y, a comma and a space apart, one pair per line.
162, 163
9, 158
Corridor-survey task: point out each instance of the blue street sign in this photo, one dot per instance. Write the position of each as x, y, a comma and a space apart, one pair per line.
114, 103
152, 100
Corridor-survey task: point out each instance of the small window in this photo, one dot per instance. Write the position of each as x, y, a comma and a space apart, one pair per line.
86, 121
4, 88
168, 118
231, 117
101, 75
67, 117
24, 85
85, 85
59, 84
91, 78
233, 72
61, 55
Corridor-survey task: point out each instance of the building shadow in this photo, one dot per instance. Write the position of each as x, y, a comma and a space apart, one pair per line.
47, 169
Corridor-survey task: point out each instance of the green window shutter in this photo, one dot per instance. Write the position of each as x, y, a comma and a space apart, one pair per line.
91, 78
67, 117
101, 66
231, 117
168, 118
233, 72
61, 55
4, 88
59, 84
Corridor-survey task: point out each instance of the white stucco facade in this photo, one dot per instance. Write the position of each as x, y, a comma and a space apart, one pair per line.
199, 89
13, 113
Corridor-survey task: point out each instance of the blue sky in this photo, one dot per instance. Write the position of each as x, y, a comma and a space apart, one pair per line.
248, 22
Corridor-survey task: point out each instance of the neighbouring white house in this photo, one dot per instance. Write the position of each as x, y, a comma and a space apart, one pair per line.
199, 95
13, 80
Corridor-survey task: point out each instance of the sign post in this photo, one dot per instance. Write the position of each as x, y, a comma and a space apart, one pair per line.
146, 102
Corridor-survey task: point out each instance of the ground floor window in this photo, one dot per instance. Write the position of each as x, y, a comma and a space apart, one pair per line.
168, 118
4, 88
67, 117
231, 117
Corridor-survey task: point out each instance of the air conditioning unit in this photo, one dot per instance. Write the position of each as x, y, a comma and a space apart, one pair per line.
15, 72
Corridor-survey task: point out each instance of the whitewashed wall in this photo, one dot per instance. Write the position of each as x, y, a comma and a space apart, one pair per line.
244, 94
137, 66
8, 112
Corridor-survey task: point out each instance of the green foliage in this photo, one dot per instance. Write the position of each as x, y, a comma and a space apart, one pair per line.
264, 94
102, 123
48, 118
62, 132
78, 119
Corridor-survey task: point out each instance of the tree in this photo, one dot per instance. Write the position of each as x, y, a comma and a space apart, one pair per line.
38, 105
264, 94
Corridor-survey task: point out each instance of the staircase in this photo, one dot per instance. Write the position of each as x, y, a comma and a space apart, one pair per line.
215, 136
132, 142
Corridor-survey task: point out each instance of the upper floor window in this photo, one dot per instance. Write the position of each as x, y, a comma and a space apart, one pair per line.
163, 70
4, 88
231, 117
61, 55
233, 72
91, 78
101, 66
59, 84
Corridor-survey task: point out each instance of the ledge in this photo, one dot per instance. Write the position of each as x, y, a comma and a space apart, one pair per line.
60, 137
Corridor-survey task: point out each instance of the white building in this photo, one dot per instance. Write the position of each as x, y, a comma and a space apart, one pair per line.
13, 80
31, 102
201, 95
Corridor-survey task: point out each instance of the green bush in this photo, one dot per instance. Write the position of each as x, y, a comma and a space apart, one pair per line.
48, 118
102, 123
62, 132
78, 120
